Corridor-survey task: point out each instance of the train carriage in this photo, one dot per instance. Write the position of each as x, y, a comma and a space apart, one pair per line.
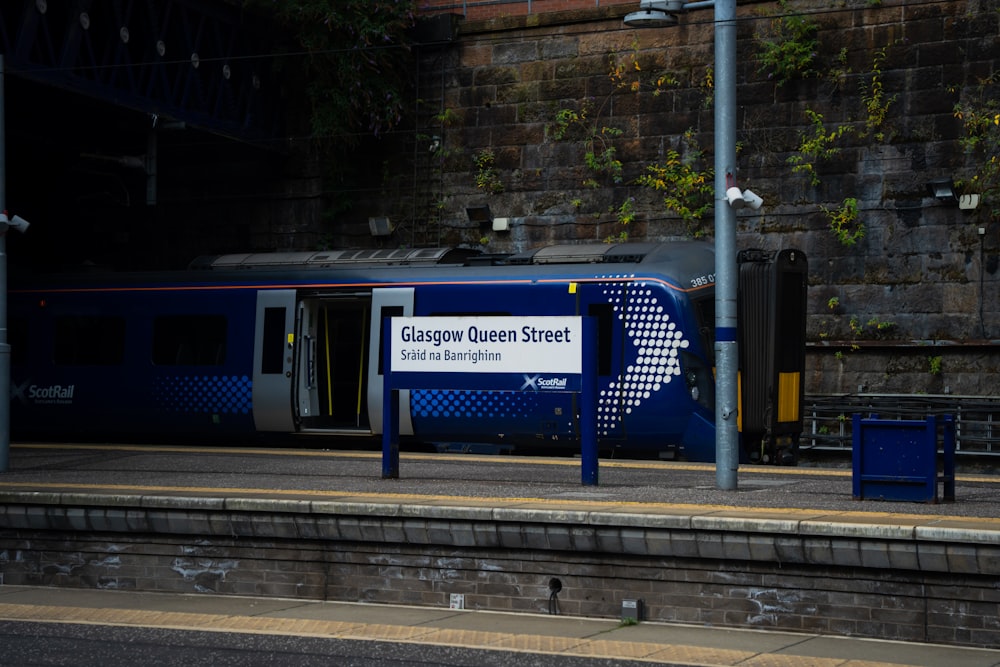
291, 343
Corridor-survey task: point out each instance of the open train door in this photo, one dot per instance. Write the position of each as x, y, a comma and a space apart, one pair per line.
274, 340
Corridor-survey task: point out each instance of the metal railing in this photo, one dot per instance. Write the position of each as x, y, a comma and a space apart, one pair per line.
827, 418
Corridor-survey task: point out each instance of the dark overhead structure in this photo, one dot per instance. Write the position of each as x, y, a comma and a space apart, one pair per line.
206, 64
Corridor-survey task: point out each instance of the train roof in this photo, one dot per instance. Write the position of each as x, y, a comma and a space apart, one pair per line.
332, 258
678, 261
590, 253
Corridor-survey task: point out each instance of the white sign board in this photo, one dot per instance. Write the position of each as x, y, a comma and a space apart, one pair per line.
494, 344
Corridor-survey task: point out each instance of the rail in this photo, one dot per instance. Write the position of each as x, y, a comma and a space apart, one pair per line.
827, 418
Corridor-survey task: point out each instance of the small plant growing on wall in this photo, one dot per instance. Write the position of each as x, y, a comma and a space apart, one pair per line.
934, 365
687, 190
624, 215
875, 99
844, 222
599, 154
487, 176
873, 329
585, 125
822, 143
787, 47
980, 116
599, 150
819, 144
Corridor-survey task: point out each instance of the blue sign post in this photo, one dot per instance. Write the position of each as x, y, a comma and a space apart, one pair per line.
551, 354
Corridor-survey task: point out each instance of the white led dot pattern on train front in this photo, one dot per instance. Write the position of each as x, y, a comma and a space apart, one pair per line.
654, 359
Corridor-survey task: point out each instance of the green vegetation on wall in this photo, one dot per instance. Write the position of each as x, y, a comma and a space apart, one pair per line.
787, 47
687, 187
979, 112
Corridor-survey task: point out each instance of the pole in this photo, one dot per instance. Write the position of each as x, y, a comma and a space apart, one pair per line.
726, 436
390, 409
4, 347
589, 474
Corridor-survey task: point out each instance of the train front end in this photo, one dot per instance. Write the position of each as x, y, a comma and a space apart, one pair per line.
654, 310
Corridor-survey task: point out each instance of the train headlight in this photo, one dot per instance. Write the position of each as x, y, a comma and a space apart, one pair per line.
691, 377
699, 380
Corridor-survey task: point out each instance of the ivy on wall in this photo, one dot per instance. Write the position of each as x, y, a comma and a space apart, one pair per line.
979, 112
686, 187
787, 47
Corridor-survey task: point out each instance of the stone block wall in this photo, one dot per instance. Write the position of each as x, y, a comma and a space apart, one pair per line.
885, 83
911, 583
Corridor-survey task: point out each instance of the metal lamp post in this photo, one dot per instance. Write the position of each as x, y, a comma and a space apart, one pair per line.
4, 347
6, 224
661, 13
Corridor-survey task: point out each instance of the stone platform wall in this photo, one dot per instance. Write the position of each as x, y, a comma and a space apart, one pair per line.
924, 583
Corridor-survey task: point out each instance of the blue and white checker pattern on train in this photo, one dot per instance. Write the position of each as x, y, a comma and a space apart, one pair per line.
214, 394
470, 404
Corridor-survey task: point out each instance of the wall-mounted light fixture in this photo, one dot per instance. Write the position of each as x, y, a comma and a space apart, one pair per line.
752, 199
381, 226
481, 215
14, 222
942, 189
968, 202
739, 198
655, 14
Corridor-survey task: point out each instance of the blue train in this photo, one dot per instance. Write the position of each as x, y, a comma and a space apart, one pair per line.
290, 343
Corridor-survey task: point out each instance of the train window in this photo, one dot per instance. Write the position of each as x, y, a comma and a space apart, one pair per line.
387, 311
605, 314
272, 350
189, 340
704, 313
89, 340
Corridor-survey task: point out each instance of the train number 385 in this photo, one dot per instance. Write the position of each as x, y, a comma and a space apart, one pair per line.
701, 281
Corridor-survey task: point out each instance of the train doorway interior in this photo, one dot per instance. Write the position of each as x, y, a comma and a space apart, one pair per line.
332, 364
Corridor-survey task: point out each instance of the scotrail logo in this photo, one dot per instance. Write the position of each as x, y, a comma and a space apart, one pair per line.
539, 383
53, 393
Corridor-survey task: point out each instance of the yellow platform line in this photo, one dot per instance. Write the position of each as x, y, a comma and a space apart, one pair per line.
416, 456
474, 458
426, 635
